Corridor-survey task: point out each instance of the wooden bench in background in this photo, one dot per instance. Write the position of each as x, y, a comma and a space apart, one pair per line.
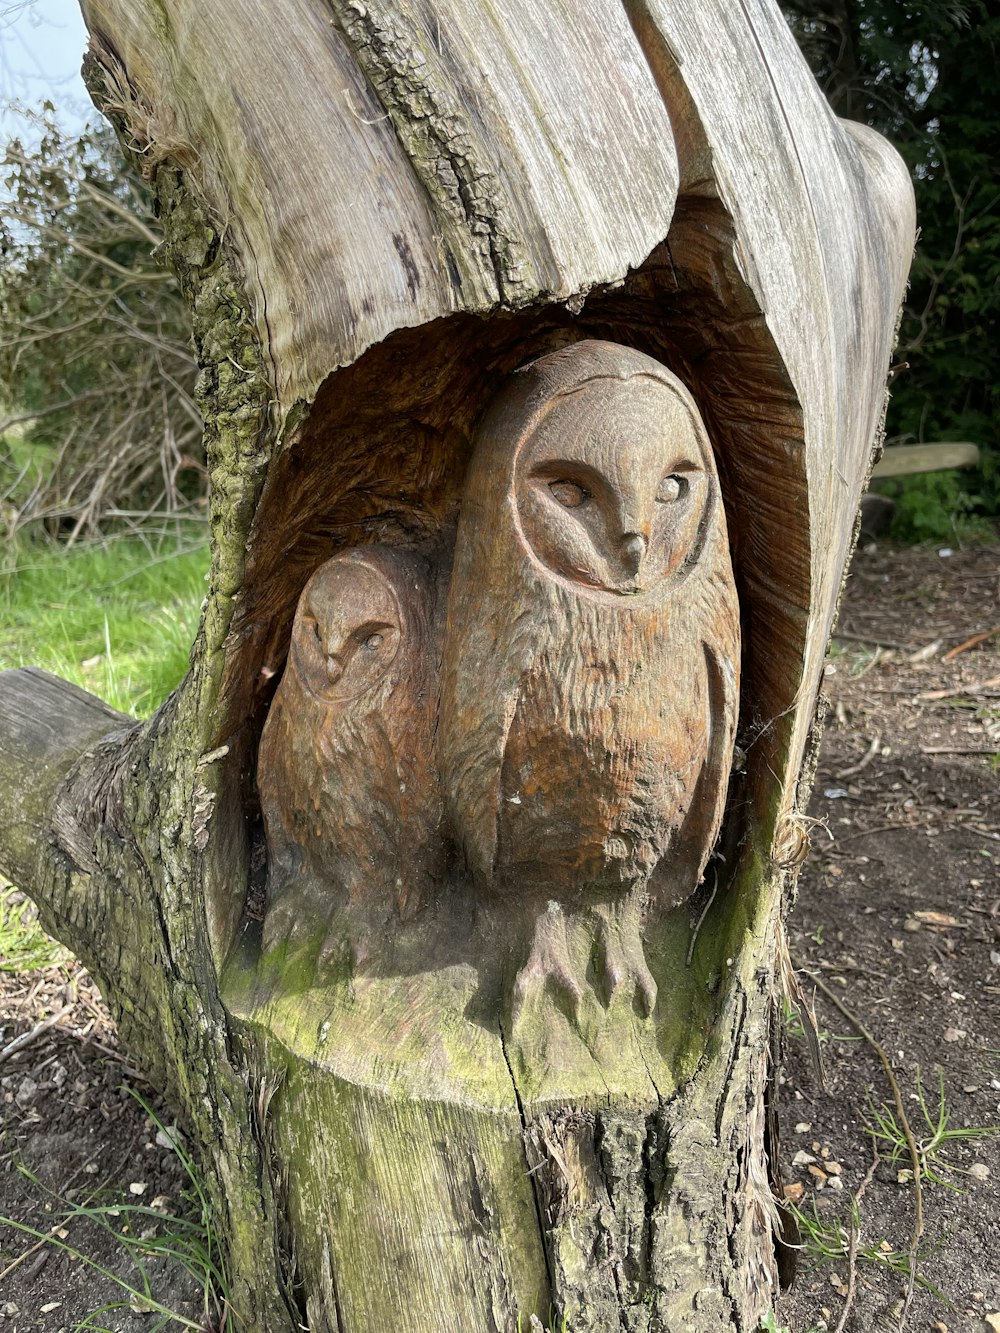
904, 460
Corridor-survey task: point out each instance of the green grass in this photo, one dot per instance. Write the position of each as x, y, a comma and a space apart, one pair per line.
117, 619
24, 946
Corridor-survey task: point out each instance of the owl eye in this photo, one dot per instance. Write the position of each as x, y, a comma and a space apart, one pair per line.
374, 642
569, 494
671, 488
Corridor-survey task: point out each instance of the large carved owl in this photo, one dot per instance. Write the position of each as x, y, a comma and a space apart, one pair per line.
345, 767
590, 675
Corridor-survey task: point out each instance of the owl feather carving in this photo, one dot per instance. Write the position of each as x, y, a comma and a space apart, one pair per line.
345, 768
591, 666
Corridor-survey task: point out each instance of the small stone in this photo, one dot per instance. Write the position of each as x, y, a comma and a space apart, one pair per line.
970, 1087
91, 1168
26, 1092
137, 1187
803, 1127
10, 1308
819, 1176
911, 925
994, 1321
979, 1171
954, 1034
835, 1183
832, 1168
52, 1305
168, 1138
802, 1159
904, 1177
794, 1191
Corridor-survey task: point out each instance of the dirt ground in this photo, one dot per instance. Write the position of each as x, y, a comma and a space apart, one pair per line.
898, 919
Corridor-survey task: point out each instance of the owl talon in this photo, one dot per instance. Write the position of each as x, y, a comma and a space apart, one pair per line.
549, 967
621, 960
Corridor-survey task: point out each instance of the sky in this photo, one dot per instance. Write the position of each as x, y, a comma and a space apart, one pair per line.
41, 47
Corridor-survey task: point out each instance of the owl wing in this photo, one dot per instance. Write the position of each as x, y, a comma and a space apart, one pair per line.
679, 873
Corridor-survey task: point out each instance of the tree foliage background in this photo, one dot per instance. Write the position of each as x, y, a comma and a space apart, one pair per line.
98, 426
926, 73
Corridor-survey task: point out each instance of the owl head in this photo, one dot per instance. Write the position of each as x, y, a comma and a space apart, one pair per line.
348, 627
613, 479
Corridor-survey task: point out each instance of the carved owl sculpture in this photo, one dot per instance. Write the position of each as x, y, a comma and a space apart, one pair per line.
345, 766
590, 674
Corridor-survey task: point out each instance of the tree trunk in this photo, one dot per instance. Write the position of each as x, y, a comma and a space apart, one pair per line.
465, 989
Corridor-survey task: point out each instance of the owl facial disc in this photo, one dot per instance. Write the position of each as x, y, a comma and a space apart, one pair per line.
612, 488
347, 630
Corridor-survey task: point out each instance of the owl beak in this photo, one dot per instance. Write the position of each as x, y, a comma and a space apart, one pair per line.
334, 668
634, 549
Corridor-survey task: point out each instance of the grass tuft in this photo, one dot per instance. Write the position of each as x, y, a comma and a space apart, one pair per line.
117, 618
884, 1128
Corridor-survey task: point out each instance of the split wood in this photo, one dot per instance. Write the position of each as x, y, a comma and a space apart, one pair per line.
971, 643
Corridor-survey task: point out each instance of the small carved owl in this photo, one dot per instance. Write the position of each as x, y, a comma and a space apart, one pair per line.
590, 675
345, 767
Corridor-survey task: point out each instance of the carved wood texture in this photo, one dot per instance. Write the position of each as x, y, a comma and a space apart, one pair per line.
579, 699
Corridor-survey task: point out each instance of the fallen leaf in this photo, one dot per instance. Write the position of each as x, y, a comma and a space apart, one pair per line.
937, 920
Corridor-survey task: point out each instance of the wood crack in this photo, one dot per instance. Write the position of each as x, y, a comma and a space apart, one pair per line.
441, 142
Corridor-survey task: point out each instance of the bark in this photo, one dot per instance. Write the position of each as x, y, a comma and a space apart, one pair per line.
378, 212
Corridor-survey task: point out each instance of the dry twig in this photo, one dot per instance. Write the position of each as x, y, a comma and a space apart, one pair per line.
904, 1123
